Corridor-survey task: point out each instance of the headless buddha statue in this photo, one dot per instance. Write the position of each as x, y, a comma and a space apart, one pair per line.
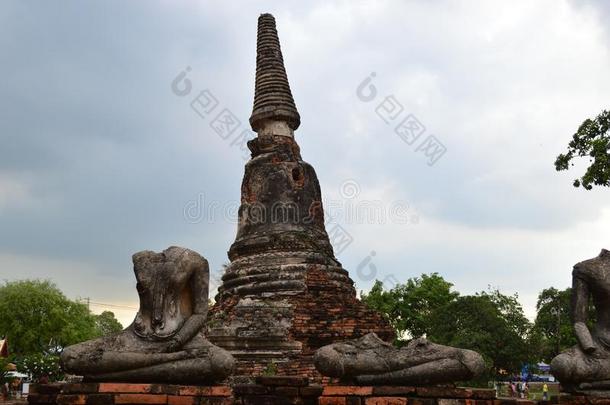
586, 366
165, 342
371, 361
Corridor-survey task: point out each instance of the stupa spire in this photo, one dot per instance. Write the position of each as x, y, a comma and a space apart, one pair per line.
273, 100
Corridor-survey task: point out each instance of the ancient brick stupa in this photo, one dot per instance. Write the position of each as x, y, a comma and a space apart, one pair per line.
284, 293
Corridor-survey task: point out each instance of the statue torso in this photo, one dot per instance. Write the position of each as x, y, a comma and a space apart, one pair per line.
165, 301
597, 277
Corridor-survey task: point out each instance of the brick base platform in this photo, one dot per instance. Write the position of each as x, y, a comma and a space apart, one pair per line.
279, 391
402, 395
579, 399
44, 393
135, 394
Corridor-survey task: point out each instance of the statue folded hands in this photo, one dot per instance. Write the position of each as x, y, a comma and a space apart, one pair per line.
165, 342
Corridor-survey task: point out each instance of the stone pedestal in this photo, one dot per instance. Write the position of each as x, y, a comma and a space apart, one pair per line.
278, 390
597, 398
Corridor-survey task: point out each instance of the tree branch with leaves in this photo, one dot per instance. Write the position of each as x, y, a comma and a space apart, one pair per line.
592, 140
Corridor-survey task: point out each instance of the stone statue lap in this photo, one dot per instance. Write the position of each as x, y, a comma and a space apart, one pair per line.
165, 342
371, 361
586, 366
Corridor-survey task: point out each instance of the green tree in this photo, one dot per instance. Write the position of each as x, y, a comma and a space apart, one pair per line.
409, 306
592, 139
490, 323
37, 318
107, 324
511, 310
553, 323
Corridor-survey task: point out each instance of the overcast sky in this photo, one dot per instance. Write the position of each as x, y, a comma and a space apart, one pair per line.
100, 158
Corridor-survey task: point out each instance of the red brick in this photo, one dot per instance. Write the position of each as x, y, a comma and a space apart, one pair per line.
140, 399
34, 398
219, 391
250, 389
599, 401
331, 390
213, 391
290, 381
53, 388
80, 388
572, 399
71, 399
164, 389
182, 400
422, 401
217, 401
287, 391
332, 401
443, 392
100, 399
452, 401
393, 390
311, 391
385, 401
125, 388
483, 393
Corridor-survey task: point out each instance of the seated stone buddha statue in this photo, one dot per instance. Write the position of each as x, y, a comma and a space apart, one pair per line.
371, 361
586, 366
165, 342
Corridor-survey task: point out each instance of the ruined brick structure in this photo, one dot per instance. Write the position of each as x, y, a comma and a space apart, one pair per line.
284, 293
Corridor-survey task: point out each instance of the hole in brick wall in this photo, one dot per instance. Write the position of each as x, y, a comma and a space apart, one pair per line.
297, 176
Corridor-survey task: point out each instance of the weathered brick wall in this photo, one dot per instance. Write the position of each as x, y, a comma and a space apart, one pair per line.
329, 313
326, 311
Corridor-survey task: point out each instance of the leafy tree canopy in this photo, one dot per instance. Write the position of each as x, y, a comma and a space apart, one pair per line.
489, 323
36, 317
409, 306
107, 324
592, 140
